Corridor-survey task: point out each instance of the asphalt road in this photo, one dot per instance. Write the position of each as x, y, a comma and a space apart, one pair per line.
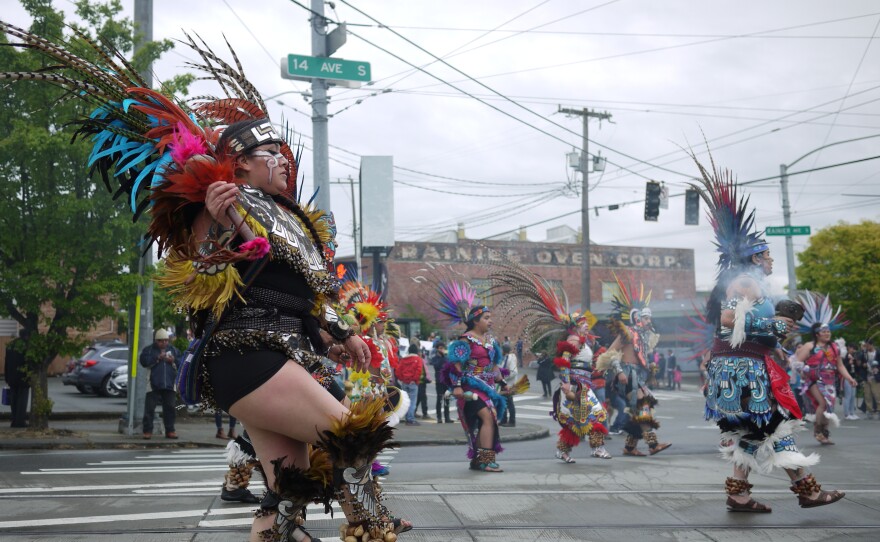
173, 495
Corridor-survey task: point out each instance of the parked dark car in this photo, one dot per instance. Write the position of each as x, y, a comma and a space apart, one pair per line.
92, 371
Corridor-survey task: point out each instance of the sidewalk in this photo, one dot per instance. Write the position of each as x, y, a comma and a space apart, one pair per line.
198, 432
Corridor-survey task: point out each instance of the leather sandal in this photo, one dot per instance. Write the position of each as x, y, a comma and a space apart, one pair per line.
634, 452
750, 507
659, 448
823, 498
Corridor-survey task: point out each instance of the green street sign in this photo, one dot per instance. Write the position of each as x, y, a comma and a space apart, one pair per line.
327, 68
788, 230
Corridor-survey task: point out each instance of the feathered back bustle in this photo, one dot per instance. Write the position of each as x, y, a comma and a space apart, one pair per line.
819, 310
628, 300
523, 295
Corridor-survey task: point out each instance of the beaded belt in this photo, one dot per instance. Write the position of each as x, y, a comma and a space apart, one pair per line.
268, 310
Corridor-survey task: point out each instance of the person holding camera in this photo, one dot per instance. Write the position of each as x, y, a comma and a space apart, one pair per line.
868, 360
161, 358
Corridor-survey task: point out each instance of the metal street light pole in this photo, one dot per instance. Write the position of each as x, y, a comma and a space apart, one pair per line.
786, 208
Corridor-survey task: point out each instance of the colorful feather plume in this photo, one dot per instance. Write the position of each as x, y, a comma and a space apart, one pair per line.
449, 292
700, 334
735, 240
524, 296
819, 310
626, 301
364, 303
521, 386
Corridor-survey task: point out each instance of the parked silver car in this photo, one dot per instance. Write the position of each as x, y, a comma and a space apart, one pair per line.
119, 380
92, 371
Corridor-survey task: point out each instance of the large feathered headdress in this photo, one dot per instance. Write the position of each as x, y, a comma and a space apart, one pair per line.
364, 303
146, 146
450, 294
819, 313
627, 302
735, 240
525, 296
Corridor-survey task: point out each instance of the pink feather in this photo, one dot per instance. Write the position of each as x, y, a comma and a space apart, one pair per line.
255, 248
186, 144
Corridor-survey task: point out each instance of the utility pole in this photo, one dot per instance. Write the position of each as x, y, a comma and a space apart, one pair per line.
585, 198
354, 231
786, 220
142, 316
320, 135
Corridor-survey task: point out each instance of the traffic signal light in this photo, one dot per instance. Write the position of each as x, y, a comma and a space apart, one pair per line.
652, 201
692, 207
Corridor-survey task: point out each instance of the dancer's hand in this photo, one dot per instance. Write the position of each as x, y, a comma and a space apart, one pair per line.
359, 351
789, 323
219, 196
457, 392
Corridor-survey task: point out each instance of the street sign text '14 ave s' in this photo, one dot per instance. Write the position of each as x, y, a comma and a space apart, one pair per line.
787, 230
306, 68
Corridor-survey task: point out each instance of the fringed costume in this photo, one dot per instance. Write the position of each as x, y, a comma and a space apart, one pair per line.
579, 412
472, 371
524, 296
476, 371
625, 361
822, 366
748, 394
258, 293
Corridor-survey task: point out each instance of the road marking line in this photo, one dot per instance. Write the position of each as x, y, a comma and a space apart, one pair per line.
6, 491
131, 470
101, 519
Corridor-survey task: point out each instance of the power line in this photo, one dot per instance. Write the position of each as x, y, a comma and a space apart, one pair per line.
753, 181
565, 128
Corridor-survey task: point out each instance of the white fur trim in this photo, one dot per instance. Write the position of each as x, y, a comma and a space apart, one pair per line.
768, 459
606, 359
235, 456
792, 460
738, 335
585, 355
732, 453
833, 419
393, 418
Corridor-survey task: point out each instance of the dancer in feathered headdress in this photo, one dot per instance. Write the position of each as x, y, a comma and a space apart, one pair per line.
701, 335
823, 361
244, 258
748, 394
577, 406
627, 362
473, 370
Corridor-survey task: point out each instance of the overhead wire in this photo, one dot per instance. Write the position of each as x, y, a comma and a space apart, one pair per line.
834, 118
506, 98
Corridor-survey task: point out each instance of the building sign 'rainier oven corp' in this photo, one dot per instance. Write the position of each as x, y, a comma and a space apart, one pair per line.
551, 254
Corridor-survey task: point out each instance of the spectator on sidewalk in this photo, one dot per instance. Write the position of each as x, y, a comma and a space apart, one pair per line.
867, 358
161, 358
424, 380
676, 378
409, 371
671, 366
17, 380
438, 360
218, 421
545, 373
849, 391
519, 352
509, 363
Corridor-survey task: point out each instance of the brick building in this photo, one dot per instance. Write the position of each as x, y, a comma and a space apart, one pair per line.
668, 272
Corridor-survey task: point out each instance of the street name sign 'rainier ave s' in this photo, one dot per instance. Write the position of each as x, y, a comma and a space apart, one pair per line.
306, 68
787, 230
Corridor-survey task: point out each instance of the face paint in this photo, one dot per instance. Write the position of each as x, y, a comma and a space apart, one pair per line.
271, 163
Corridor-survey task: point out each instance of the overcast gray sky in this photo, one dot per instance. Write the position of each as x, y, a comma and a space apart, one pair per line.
765, 81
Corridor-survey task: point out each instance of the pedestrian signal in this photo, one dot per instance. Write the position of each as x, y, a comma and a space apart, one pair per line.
652, 200
692, 207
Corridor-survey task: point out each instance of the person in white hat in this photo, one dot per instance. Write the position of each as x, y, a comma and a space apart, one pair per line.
161, 358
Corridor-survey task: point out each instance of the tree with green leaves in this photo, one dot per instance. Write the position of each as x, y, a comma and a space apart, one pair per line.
844, 262
66, 247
